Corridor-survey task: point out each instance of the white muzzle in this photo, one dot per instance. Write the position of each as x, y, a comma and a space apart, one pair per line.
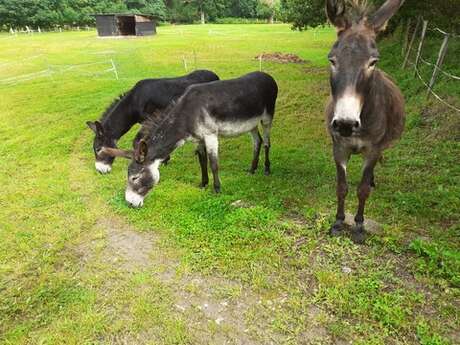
133, 198
103, 168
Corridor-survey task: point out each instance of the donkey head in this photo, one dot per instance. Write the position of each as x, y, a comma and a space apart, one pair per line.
103, 160
353, 58
143, 174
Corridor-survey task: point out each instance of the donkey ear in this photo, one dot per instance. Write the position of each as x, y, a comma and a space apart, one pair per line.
96, 127
141, 151
380, 19
92, 126
336, 13
129, 154
99, 128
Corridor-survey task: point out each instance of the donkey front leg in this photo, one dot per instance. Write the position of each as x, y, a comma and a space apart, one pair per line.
341, 159
358, 234
257, 141
212, 148
203, 159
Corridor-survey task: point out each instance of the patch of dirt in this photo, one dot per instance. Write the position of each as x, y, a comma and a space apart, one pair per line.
280, 58
132, 247
370, 225
215, 308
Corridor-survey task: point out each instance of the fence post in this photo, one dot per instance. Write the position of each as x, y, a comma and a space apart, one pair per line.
406, 60
420, 46
114, 69
185, 63
406, 36
439, 62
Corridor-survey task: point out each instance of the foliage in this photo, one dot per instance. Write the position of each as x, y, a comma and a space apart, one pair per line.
438, 260
49, 13
310, 13
303, 13
156, 8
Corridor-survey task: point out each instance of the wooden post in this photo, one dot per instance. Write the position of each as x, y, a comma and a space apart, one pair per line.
409, 48
439, 62
406, 37
420, 46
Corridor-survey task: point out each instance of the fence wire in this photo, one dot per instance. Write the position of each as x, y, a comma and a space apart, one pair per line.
436, 67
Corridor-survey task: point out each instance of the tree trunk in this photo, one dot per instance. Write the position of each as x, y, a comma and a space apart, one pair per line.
271, 19
202, 16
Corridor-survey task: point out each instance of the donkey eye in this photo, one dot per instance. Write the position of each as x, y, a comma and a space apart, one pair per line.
135, 177
333, 61
373, 63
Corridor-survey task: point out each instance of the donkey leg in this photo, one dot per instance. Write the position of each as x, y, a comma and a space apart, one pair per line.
203, 159
358, 234
257, 140
373, 180
266, 139
212, 148
341, 159
166, 161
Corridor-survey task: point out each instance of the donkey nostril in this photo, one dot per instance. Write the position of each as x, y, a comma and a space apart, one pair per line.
335, 124
356, 124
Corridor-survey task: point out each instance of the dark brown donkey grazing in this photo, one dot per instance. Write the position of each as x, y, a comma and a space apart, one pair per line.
365, 114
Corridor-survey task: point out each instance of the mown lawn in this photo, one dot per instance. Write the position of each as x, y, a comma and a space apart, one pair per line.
253, 265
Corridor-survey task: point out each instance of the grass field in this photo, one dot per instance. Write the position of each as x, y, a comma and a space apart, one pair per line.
253, 265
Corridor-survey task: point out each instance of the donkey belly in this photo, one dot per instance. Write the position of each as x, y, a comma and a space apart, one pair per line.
237, 127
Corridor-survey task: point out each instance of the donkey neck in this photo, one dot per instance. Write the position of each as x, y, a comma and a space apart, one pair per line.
120, 118
170, 135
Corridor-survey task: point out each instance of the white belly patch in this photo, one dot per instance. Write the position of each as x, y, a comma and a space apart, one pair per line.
229, 129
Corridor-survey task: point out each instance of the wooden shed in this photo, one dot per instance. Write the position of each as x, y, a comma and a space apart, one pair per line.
125, 25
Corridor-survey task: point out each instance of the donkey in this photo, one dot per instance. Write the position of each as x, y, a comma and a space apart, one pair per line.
202, 114
365, 114
145, 99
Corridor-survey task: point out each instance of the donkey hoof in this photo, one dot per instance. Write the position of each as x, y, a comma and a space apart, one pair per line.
217, 189
358, 234
251, 171
267, 172
336, 230
203, 185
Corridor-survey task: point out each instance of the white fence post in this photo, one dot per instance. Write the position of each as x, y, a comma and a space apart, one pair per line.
114, 69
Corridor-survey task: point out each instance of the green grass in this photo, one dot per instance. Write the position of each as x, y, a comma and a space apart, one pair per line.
60, 278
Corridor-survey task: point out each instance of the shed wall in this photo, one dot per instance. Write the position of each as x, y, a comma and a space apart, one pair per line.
106, 26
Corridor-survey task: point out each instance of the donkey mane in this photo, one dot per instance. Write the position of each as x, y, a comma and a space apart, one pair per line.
358, 9
151, 125
112, 105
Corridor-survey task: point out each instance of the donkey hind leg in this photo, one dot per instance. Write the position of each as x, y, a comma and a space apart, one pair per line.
341, 159
267, 125
212, 148
203, 159
257, 141
358, 234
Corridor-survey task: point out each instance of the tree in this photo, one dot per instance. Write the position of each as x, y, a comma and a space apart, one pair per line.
266, 9
156, 8
310, 13
303, 13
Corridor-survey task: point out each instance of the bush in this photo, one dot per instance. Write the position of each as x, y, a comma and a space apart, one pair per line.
232, 20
